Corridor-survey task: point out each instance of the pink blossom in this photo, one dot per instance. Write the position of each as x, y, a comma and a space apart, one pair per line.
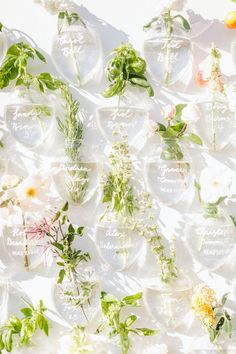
38, 230
169, 112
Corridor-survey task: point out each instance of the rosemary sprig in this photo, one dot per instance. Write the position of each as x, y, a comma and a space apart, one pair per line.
111, 310
23, 329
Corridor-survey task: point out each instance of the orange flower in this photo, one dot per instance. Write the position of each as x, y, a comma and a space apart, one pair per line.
200, 80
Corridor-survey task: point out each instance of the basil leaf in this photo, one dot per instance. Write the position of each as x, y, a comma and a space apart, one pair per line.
194, 138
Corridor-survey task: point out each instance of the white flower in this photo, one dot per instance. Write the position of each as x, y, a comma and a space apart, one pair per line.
174, 5
191, 113
150, 128
215, 183
33, 191
55, 6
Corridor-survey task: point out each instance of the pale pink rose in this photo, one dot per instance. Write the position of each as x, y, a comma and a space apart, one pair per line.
168, 112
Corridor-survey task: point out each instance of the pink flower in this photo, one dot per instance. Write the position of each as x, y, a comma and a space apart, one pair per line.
38, 230
168, 112
217, 85
200, 80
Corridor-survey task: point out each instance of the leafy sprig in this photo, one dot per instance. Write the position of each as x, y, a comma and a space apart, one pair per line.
223, 322
70, 18
168, 21
61, 234
111, 310
14, 66
126, 68
23, 329
144, 223
117, 190
80, 341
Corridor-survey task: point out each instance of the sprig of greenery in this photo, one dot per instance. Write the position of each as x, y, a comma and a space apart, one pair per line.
117, 190
70, 18
126, 68
80, 341
223, 321
23, 329
168, 21
146, 227
111, 310
14, 68
61, 234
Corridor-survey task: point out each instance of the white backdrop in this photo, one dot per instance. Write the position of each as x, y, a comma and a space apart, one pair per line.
116, 22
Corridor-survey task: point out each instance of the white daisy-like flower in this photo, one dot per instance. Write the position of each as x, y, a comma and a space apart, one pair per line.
33, 191
191, 113
215, 183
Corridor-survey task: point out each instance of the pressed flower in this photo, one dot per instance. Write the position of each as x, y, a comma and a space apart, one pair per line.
215, 183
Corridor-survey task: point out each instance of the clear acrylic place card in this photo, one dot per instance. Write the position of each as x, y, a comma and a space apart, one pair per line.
211, 241
169, 61
130, 119
29, 124
118, 245
77, 54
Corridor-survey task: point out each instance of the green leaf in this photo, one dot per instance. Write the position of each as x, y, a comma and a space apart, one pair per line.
61, 276
80, 230
130, 320
58, 245
65, 207
57, 216
147, 331
1, 27
71, 229
179, 108
132, 299
40, 56
233, 219
27, 311
224, 299
185, 23
194, 138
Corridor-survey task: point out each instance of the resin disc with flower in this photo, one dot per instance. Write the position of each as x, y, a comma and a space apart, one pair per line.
217, 114
211, 234
168, 170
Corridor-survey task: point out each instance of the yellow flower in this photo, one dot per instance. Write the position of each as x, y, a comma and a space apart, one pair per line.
31, 192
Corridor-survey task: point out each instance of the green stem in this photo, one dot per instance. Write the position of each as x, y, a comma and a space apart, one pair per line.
76, 287
213, 133
26, 246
